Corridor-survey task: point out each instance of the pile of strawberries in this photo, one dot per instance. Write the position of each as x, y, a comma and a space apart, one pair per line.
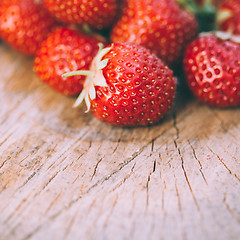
122, 56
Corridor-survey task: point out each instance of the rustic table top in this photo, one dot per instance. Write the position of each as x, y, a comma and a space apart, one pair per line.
66, 175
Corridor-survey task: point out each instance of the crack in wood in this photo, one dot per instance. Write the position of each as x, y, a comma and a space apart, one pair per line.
186, 178
178, 196
36, 194
80, 156
118, 143
60, 156
152, 145
147, 191
70, 225
27, 180
215, 114
224, 164
125, 178
234, 157
92, 204
96, 166
230, 210
105, 224
101, 181
163, 197
10, 157
31, 234
199, 162
154, 166
67, 165
10, 135
50, 180
18, 207
71, 146
147, 184
182, 160
52, 203
26, 157
3, 163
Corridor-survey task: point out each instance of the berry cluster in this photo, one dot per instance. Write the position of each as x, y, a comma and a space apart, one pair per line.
121, 56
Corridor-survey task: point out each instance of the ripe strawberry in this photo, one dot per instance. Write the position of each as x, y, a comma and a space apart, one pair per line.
228, 16
162, 26
95, 13
128, 86
24, 24
212, 69
65, 50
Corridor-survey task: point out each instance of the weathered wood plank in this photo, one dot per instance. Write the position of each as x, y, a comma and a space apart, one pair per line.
65, 175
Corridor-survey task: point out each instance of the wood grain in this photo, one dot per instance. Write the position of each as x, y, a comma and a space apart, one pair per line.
66, 175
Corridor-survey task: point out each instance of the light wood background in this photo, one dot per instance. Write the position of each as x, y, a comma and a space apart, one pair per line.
66, 175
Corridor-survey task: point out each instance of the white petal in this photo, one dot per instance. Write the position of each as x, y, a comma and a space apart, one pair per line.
99, 79
87, 101
92, 92
223, 35
102, 64
236, 38
79, 99
101, 53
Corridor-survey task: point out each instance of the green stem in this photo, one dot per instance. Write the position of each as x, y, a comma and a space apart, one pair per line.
76, 73
188, 5
205, 14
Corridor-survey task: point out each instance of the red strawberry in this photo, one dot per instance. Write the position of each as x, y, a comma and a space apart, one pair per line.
128, 86
228, 16
24, 24
212, 69
65, 50
162, 26
95, 13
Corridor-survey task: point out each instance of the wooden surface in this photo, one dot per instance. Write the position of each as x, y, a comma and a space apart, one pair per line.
66, 175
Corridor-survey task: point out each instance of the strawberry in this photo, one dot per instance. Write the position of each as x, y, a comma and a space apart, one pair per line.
64, 50
162, 26
95, 13
228, 16
212, 69
127, 85
24, 24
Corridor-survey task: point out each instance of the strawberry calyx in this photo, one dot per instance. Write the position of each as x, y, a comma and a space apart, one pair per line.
191, 5
204, 13
94, 77
223, 15
225, 36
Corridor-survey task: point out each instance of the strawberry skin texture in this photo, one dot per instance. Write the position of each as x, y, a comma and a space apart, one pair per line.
212, 69
24, 24
161, 26
65, 50
95, 13
232, 21
141, 88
